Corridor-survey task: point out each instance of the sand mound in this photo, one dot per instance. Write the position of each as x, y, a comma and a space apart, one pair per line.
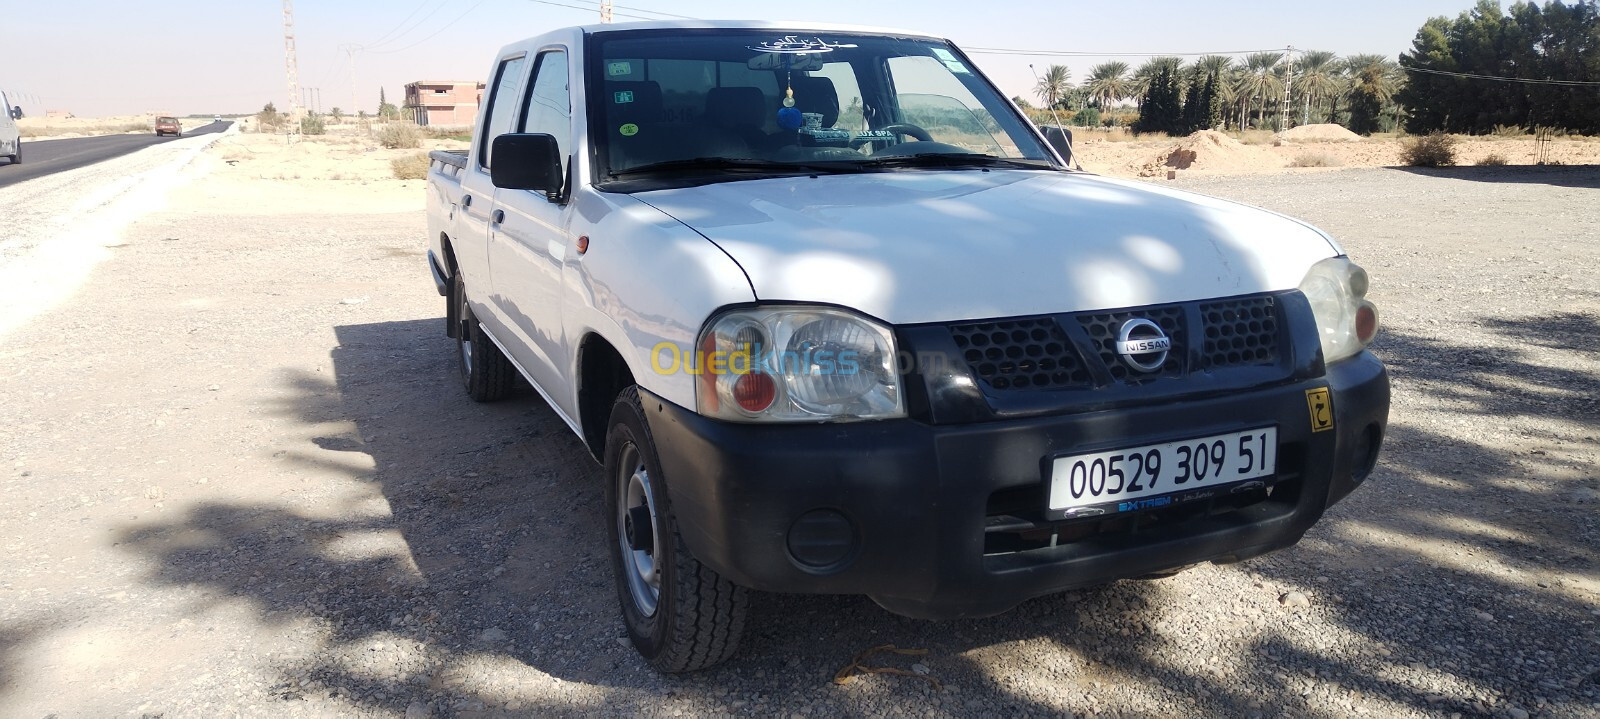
1209, 151
1326, 132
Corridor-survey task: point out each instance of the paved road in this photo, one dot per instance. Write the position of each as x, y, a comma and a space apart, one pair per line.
44, 157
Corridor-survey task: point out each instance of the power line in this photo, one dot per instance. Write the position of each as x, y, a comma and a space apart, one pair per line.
408, 17
1497, 78
1078, 53
643, 10
592, 9
441, 29
419, 23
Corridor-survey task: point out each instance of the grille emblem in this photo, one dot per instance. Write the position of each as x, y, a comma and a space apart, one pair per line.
1143, 345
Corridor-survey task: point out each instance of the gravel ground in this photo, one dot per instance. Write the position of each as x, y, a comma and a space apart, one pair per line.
240, 479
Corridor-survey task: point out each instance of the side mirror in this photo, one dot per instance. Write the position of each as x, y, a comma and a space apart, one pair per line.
16, 112
1059, 138
526, 161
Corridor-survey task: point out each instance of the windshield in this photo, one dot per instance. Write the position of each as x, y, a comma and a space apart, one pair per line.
684, 99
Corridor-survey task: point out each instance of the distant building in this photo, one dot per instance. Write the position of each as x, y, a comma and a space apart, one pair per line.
444, 102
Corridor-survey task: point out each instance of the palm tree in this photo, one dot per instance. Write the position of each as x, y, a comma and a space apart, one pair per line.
1261, 80
1376, 77
1317, 76
1054, 85
1108, 83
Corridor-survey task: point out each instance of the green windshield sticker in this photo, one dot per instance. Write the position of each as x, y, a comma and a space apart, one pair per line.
944, 54
629, 130
619, 68
623, 96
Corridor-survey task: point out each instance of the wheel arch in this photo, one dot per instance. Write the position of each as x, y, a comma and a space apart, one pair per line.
602, 375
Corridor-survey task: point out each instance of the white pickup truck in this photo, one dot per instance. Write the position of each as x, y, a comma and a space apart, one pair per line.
836, 318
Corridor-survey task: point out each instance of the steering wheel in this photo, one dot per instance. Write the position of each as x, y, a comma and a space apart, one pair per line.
898, 128
906, 128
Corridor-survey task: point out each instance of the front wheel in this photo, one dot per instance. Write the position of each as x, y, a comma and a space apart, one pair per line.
681, 615
485, 373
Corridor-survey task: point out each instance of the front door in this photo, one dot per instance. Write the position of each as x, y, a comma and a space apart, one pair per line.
529, 241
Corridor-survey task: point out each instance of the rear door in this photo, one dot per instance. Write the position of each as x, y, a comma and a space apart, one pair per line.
477, 190
530, 238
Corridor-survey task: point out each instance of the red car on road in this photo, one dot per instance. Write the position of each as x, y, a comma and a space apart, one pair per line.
168, 126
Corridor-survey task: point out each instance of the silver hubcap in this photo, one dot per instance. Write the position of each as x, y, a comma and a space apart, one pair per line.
638, 531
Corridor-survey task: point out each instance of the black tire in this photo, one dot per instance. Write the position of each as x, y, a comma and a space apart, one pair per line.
699, 617
16, 157
485, 373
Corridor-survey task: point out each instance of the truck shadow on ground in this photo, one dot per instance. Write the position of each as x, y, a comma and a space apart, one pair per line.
503, 559
1578, 176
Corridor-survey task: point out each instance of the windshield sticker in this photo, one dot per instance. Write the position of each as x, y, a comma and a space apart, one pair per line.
791, 45
944, 55
623, 96
628, 130
616, 69
955, 67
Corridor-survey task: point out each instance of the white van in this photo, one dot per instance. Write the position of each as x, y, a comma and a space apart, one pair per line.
10, 136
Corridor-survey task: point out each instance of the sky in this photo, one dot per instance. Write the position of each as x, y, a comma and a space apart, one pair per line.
99, 58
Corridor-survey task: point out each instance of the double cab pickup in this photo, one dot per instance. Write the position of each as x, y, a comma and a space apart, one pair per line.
836, 318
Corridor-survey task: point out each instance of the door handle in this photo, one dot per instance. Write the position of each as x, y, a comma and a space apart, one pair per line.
466, 200
499, 216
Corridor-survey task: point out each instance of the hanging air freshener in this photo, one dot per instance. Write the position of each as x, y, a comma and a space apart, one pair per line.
789, 118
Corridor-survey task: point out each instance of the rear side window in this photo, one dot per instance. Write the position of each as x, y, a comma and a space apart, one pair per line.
498, 121
549, 107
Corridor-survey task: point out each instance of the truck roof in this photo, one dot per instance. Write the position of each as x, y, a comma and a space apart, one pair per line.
787, 26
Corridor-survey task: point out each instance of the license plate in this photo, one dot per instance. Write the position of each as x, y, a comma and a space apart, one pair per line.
1124, 477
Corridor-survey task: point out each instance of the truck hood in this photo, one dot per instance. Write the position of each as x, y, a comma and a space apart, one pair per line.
938, 246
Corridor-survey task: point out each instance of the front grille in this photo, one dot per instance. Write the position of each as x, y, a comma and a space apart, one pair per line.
1012, 356
1240, 332
1021, 354
1104, 327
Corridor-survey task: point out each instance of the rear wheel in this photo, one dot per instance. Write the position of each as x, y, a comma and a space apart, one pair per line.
485, 373
16, 152
681, 615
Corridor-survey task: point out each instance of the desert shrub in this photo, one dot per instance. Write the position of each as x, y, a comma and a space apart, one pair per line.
1258, 137
1436, 150
313, 125
1087, 117
1510, 131
400, 136
1314, 159
410, 167
1493, 159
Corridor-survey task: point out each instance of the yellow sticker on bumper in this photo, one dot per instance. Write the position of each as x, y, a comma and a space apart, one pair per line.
1320, 402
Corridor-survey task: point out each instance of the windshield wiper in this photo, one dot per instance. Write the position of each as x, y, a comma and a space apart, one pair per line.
723, 163
952, 159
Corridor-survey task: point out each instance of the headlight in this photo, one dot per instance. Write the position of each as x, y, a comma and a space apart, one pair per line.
796, 364
1347, 322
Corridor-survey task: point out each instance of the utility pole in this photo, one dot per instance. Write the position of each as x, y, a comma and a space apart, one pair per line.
291, 68
350, 52
1288, 84
605, 11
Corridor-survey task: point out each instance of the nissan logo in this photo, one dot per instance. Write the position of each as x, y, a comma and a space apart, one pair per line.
1143, 345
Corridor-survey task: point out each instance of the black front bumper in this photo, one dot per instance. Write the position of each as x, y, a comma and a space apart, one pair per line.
922, 500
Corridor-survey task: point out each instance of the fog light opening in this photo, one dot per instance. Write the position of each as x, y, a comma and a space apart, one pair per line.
1366, 452
822, 540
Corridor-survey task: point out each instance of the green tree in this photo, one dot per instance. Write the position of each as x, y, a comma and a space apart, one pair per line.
1259, 85
1053, 85
1373, 84
336, 114
1107, 84
1161, 109
1317, 76
386, 110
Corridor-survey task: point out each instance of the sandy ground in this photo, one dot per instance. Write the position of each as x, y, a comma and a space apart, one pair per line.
241, 479
1128, 157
